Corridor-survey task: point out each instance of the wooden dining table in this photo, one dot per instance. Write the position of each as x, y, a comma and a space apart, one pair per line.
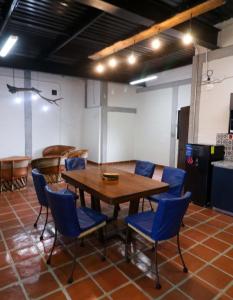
128, 188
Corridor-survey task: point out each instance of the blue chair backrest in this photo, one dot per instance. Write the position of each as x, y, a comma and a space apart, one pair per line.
63, 209
169, 216
39, 184
75, 163
144, 168
175, 178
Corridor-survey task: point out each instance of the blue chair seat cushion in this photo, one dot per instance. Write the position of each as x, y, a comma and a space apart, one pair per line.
158, 197
142, 221
89, 218
66, 191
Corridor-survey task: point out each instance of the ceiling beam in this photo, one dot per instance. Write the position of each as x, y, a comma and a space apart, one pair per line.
158, 28
75, 32
147, 13
8, 15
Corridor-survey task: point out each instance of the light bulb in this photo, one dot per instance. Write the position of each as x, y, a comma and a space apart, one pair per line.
100, 68
132, 59
18, 100
187, 38
156, 44
45, 108
112, 62
34, 97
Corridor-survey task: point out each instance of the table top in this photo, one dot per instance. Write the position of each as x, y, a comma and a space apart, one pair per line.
128, 186
15, 158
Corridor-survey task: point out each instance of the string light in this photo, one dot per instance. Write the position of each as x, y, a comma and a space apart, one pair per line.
100, 68
131, 59
187, 38
156, 43
112, 62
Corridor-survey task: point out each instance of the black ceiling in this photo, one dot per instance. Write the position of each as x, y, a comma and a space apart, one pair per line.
57, 36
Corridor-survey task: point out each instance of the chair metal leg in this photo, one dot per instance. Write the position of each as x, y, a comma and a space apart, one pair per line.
82, 242
127, 243
103, 258
71, 279
46, 221
51, 252
143, 202
185, 269
151, 206
37, 219
157, 284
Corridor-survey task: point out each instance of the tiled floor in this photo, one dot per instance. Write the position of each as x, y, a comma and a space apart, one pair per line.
206, 239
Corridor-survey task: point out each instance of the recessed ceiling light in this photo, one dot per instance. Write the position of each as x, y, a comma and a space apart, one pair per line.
156, 43
132, 59
112, 62
149, 78
187, 38
9, 44
100, 68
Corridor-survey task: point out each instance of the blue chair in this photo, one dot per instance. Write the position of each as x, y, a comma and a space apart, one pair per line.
175, 178
75, 163
39, 184
144, 168
160, 225
73, 222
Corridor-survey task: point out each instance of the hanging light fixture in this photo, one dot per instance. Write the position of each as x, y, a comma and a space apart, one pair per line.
156, 44
112, 62
188, 37
100, 68
131, 59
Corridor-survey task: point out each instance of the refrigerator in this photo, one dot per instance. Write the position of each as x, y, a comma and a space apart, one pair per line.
199, 170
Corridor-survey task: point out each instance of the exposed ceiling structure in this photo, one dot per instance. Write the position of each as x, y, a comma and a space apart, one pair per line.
57, 36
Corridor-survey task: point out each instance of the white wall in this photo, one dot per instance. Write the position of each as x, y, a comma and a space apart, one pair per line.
121, 125
92, 133
121, 95
215, 103
146, 134
59, 125
11, 116
225, 36
120, 136
181, 73
153, 126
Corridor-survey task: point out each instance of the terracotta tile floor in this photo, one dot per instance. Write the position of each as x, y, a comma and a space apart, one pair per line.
206, 240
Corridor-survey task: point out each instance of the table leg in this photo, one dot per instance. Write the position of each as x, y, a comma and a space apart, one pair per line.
82, 199
134, 206
95, 203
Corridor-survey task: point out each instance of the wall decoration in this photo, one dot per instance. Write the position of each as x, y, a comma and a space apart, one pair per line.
13, 90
